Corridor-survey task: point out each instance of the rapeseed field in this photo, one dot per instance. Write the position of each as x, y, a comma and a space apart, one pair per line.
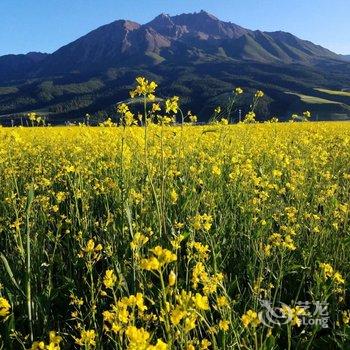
163, 236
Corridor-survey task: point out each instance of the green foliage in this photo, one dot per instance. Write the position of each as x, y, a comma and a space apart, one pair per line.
203, 85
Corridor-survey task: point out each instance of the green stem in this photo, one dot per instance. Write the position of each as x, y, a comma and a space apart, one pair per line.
28, 265
167, 321
289, 329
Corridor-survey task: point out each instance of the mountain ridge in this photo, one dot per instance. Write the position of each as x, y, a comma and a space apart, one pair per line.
88, 73
118, 41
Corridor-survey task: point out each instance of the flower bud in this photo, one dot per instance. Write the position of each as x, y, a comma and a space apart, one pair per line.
172, 278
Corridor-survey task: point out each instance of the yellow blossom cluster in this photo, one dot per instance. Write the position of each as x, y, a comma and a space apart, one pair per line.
329, 272
5, 307
144, 88
160, 258
54, 343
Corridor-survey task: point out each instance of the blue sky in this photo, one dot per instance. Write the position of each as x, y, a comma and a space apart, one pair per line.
46, 25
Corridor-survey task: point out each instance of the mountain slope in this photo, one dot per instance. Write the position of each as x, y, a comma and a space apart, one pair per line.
18, 66
99, 48
196, 56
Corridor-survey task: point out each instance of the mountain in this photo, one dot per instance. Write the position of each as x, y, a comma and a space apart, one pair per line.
183, 37
196, 56
17, 66
100, 48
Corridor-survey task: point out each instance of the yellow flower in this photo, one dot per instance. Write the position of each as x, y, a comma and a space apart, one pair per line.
238, 91
207, 222
306, 114
90, 246
54, 343
122, 108
32, 116
205, 343
151, 97
217, 110
338, 278
87, 338
277, 173
202, 250
172, 105
293, 314
164, 256
327, 269
176, 242
4, 307
54, 338
138, 241
134, 300
60, 197
138, 338
155, 107
259, 94
116, 327
137, 197
222, 301
38, 345
127, 116
123, 313
203, 222
277, 240
346, 316
109, 279
199, 274
173, 196
224, 325
216, 170
190, 323
201, 302
107, 123
144, 88
151, 263
160, 345
289, 243
76, 301
249, 118
266, 249
250, 318
177, 315
193, 118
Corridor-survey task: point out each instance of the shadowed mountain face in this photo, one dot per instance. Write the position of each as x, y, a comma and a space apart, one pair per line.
17, 66
85, 75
